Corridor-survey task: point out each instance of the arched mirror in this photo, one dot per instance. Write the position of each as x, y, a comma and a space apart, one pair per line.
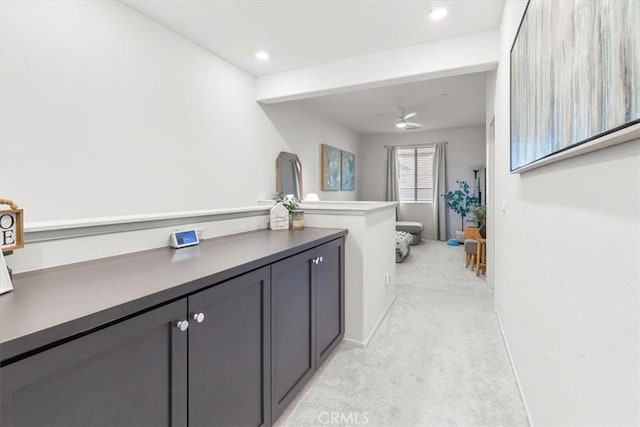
289, 175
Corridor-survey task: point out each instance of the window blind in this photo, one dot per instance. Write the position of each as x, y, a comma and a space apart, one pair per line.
415, 174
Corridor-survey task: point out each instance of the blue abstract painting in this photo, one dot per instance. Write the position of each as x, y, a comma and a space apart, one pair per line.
348, 171
331, 168
575, 75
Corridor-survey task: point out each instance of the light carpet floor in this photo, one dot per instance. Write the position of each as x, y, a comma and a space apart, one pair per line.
437, 359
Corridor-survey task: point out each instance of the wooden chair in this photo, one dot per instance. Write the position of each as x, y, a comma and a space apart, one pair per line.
482, 260
471, 246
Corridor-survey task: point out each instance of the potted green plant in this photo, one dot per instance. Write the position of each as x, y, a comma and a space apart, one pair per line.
289, 201
460, 201
480, 215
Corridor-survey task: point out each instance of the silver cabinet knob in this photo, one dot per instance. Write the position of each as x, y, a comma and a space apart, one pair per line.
321, 259
316, 260
198, 317
183, 325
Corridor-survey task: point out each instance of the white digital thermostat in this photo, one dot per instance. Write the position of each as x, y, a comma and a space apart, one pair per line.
181, 239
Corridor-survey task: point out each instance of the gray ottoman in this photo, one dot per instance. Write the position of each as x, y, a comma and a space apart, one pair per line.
414, 228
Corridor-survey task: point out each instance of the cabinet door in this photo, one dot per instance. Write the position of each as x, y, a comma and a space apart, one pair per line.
132, 373
292, 328
229, 353
329, 297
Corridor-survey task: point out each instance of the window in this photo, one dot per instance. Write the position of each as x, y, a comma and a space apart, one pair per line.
415, 176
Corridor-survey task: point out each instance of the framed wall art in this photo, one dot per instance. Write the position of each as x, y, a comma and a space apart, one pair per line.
348, 171
331, 168
575, 79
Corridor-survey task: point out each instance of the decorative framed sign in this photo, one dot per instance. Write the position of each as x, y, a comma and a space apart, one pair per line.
11, 226
279, 217
348, 171
575, 79
331, 168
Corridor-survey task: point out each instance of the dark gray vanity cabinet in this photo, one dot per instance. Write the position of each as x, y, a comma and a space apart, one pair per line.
307, 320
229, 346
133, 373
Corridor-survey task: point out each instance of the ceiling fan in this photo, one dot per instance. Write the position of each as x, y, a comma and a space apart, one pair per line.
402, 123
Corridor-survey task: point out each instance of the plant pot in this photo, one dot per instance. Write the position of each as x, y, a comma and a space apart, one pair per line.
483, 231
460, 236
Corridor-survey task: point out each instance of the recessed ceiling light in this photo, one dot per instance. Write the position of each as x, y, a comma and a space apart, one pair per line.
438, 13
401, 125
262, 55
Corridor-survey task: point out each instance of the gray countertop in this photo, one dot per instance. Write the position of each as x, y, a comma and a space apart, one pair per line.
54, 304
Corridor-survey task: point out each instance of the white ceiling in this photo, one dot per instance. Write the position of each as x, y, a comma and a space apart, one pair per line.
302, 33
375, 110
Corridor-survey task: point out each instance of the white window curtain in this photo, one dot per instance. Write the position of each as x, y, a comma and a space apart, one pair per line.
440, 217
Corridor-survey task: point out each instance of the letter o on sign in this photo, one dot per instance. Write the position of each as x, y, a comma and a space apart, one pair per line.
7, 221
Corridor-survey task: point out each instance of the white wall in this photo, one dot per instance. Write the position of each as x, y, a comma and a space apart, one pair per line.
379, 260
106, 113
490, 184
60, 246
305, 130
367, 295
567, 276
465, 148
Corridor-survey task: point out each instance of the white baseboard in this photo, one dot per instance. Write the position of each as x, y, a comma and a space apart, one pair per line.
379, 322
361, 344
513, 368
354, 343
